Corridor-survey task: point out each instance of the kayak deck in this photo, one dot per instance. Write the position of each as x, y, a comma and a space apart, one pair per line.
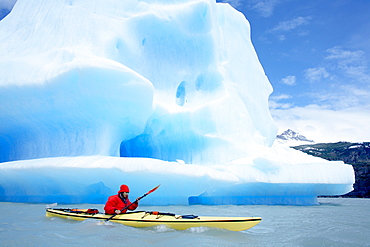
148, 219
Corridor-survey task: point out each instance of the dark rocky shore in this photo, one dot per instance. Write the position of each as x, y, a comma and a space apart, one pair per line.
355, 154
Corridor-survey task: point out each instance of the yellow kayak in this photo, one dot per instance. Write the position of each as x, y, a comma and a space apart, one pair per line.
148, 219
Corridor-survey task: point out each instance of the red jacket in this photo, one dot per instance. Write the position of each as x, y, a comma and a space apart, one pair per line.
115, 202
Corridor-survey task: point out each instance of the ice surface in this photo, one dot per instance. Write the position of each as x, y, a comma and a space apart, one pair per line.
93, 95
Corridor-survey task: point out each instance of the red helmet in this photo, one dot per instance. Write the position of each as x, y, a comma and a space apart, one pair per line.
123, 188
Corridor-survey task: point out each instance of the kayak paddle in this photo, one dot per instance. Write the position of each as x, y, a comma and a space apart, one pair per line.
138, 199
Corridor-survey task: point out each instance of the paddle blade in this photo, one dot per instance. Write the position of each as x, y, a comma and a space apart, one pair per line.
152, 190
51, 205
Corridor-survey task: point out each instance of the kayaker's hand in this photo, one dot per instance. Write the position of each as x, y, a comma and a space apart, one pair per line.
117, 211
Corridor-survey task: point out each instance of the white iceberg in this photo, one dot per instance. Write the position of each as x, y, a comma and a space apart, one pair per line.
96, 94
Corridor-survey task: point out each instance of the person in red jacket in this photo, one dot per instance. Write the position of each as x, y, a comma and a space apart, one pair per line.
116, 203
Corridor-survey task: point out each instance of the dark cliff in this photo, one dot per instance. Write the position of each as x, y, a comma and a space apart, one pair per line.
355, 154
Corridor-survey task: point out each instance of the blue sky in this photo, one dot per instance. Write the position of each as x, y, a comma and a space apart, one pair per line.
316, 55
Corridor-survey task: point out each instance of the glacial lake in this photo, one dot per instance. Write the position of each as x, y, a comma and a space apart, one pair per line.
335, 222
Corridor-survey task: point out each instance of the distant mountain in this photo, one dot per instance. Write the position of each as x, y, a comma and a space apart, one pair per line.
292, 138
355, 154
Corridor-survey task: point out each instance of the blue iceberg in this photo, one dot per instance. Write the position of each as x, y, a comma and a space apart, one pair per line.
94, 95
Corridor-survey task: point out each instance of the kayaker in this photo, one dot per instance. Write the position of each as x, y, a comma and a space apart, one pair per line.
116, 203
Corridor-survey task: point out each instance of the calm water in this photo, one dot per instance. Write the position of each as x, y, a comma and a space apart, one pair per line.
335, 222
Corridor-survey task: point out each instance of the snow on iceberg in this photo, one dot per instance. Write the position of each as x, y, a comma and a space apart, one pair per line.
263, 178
93, 95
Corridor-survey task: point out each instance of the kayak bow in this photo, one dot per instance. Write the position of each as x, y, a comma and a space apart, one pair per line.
149, 219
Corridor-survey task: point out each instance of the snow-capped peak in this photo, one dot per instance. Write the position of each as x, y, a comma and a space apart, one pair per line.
292, 138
